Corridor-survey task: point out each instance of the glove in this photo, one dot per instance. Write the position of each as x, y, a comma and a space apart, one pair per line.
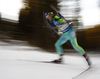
70, 22
60, 33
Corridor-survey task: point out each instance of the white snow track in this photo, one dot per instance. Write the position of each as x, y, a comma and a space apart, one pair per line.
17, 63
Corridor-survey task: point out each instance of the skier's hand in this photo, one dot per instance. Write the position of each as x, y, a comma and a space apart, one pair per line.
60, 33
70, 22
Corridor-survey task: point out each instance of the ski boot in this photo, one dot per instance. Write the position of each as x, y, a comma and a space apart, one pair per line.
87, 59
58, 61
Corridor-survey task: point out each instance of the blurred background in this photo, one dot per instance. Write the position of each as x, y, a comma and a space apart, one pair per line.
22, 21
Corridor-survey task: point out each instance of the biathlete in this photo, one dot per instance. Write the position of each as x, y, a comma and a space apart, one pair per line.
67, 34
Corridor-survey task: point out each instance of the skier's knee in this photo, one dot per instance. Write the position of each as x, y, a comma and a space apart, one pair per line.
57, 44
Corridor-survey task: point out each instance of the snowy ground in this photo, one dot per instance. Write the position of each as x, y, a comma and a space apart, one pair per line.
19, 62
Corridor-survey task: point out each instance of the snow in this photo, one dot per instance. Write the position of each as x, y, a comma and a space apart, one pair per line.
21, 62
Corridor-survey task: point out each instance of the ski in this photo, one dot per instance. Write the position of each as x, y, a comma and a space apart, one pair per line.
81, 73
41, 61
49, 62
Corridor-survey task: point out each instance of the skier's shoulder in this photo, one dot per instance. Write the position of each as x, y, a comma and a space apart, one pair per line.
57, 17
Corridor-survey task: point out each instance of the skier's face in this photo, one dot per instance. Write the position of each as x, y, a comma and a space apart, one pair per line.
49, 16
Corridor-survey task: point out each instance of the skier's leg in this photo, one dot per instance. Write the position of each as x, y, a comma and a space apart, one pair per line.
58, 46
80, 50
60, 42
76, 46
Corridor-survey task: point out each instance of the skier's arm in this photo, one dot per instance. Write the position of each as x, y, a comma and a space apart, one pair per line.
51, 23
